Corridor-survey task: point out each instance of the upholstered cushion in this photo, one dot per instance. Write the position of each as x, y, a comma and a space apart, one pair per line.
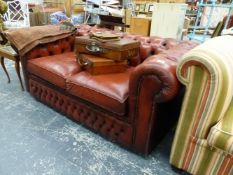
220, 139
221, 134
109, 91
56, 68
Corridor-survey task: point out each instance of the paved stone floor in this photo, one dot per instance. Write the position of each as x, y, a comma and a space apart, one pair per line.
36, 140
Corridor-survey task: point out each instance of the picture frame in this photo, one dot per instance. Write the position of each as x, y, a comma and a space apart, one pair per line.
142, 8
147, 7
137, 7
151, 8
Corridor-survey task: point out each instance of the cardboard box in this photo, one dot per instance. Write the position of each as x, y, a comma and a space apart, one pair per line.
136, 26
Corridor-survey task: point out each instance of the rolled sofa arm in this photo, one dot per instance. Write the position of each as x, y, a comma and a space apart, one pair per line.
159, 74
155, 96
206, 71
150, 83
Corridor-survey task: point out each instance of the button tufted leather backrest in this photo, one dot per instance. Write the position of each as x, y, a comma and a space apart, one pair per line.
149, 45
57, 47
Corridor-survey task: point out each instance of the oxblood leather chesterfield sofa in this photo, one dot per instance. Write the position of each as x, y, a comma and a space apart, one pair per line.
134, 108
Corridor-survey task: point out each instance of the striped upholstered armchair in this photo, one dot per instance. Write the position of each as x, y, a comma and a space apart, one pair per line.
203, 143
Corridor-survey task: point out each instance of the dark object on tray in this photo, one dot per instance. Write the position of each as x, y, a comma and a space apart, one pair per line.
111, 21
99, 65
115, 50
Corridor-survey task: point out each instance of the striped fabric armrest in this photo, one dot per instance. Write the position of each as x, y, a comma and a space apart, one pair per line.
206, 71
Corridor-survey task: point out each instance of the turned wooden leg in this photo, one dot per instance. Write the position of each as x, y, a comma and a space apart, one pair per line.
4, 68
17, 68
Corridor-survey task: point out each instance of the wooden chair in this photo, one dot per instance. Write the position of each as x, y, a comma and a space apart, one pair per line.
17, 16
218, 29
7, 51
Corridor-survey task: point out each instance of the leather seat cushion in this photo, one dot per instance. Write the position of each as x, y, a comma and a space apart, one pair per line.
56, 68
108, 91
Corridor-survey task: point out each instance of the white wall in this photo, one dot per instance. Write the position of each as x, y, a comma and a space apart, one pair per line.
33, 1
168, 20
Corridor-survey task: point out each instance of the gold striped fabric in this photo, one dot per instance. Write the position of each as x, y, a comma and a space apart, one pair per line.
203, 139
221, 135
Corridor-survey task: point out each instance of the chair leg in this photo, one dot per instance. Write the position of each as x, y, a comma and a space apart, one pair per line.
17, 68
4, 68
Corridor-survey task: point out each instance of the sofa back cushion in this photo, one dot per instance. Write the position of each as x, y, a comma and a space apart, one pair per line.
53, 48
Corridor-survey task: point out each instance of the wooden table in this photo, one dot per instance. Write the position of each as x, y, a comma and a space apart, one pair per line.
9, 53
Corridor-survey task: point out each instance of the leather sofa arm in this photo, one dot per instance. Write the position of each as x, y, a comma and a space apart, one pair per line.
151, 83
154, 88
157, 74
